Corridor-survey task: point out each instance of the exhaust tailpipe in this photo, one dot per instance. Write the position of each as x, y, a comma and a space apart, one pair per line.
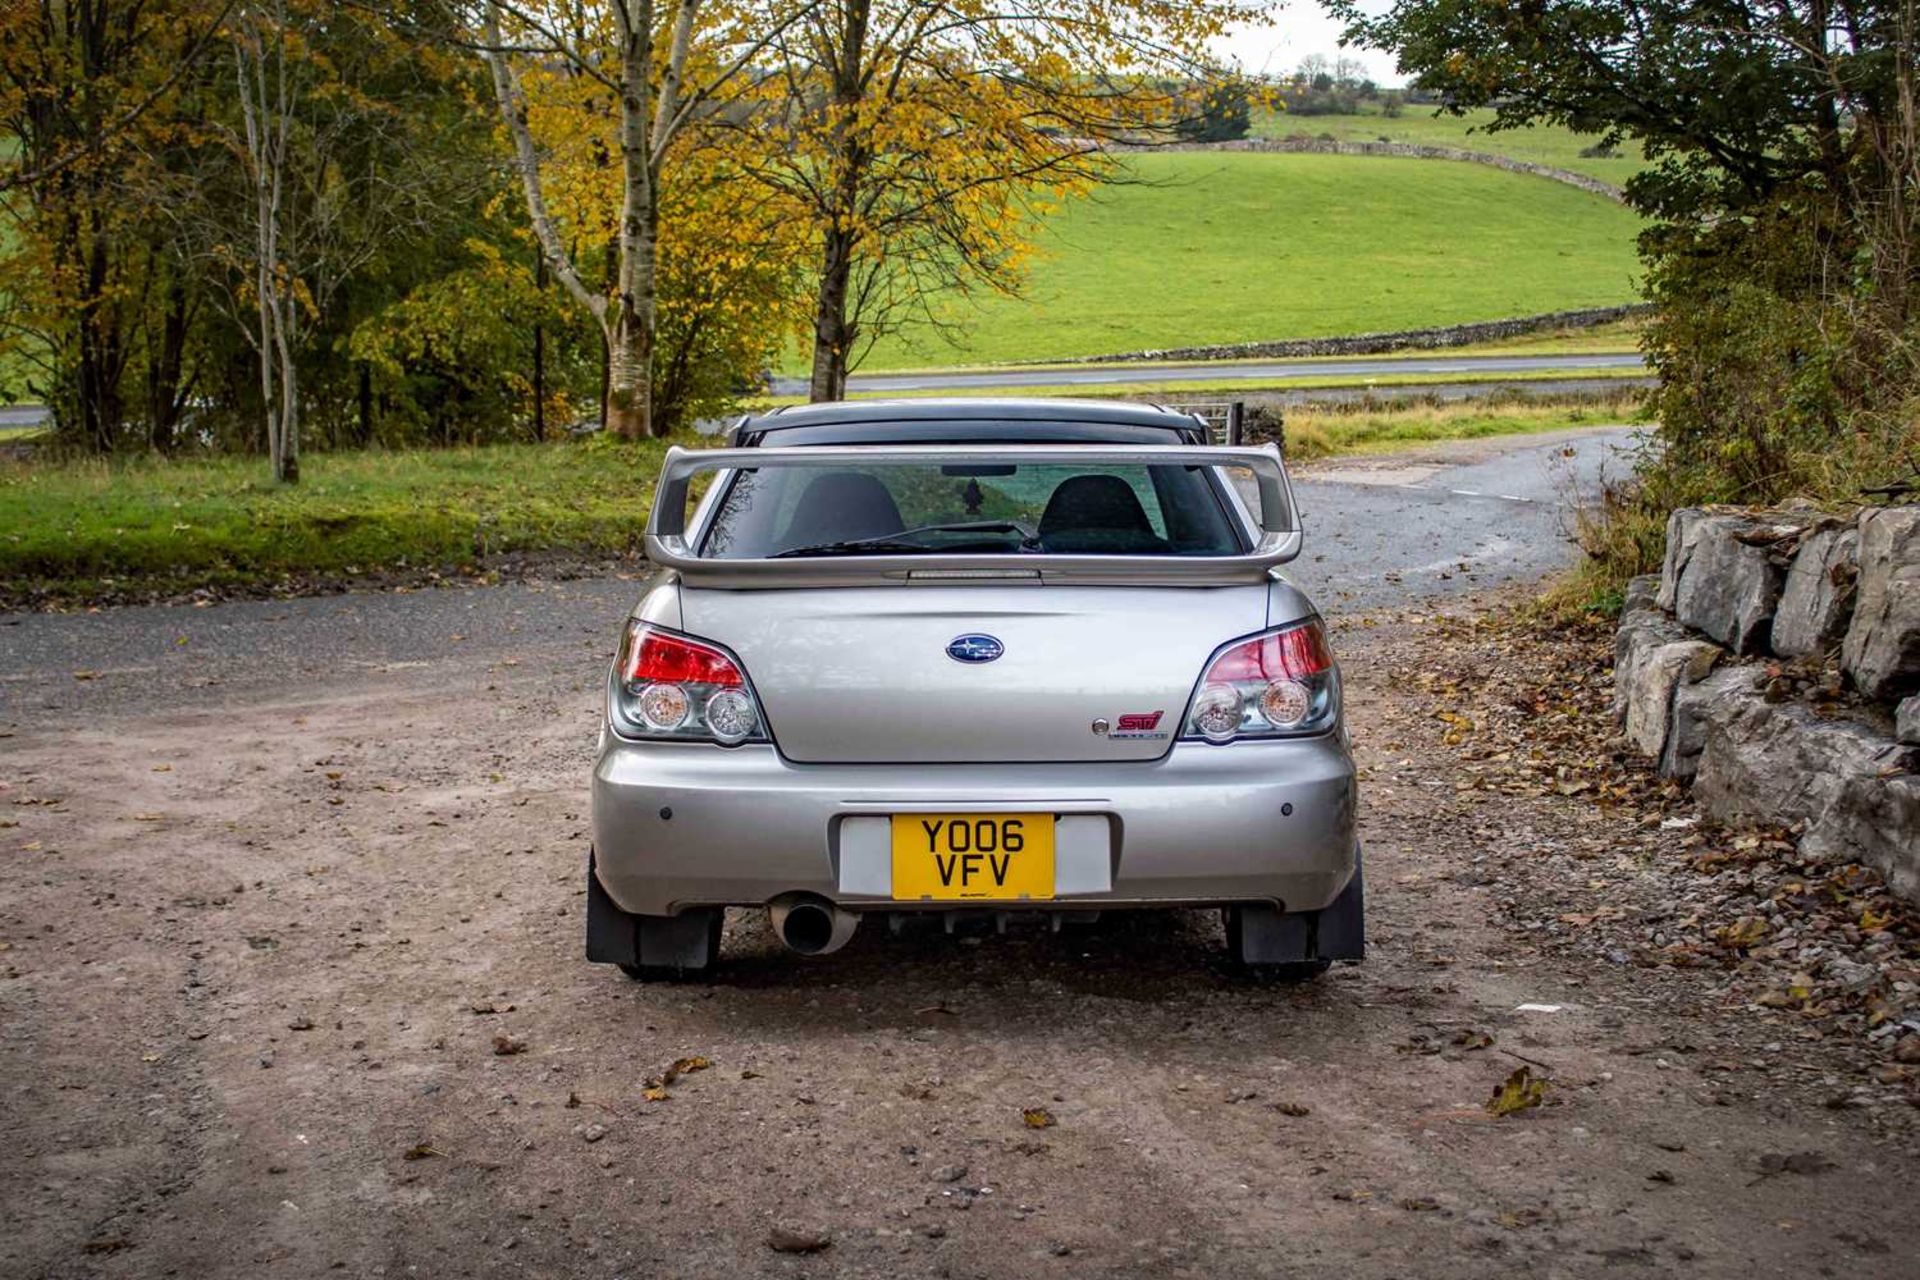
809, 925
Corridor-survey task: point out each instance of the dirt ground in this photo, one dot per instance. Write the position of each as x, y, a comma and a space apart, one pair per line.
261, 957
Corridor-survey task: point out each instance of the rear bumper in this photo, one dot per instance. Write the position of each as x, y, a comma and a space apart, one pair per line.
683, 825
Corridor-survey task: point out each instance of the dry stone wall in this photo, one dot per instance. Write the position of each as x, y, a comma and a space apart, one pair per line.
1412, 151
1437, 338
1822, 732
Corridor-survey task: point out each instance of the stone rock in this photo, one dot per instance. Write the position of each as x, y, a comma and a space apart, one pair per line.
1649, 685
1777, 762
1882, 648
1683, 529
1687, 729
1873, 819
1730, 582
1642, 595
1641, 631
1906, 721
794, 1238
1816, 603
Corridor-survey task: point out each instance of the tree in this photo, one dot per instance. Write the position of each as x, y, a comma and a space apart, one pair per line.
921, 137
85, 94
264, 80
1225, 114
665, 69
726, 279
1784, 248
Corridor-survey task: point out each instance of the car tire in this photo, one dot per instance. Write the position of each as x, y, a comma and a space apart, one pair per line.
1290, 974
679, 948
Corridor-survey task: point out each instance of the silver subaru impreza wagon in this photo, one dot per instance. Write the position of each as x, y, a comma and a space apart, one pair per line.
972, 659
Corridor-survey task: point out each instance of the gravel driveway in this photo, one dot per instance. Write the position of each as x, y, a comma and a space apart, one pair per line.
291, 985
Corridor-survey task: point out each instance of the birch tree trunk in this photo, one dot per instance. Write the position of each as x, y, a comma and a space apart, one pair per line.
650, 120
260, 60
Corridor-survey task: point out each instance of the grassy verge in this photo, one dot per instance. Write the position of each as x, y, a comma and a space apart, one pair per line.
1224, 247
1325, 433
77, 529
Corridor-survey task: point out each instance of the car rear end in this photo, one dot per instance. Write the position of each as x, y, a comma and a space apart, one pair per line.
1004, 663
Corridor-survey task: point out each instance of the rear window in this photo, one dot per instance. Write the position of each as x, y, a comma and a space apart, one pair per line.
971, 508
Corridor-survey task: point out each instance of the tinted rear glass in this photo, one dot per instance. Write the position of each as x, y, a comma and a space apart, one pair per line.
975, 508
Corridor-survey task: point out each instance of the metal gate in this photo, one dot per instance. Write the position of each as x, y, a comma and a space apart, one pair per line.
1223, 419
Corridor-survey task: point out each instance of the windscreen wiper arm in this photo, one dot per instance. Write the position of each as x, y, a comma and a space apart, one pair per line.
894, 543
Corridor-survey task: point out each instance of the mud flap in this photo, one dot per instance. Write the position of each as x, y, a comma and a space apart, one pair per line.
666, 946
1340, 928
611, 937
1338, 931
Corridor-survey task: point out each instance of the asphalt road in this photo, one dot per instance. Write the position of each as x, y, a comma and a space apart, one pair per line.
1380, 534
1221, 372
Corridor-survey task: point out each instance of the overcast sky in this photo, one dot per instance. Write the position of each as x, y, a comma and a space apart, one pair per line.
1301, 27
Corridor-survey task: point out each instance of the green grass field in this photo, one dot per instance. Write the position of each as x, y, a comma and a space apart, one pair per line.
1540, 144
221, 522
1238, 247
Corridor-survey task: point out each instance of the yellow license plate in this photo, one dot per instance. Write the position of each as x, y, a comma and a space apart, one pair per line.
972, 856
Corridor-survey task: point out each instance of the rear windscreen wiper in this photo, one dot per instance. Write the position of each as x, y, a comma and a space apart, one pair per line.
894, 543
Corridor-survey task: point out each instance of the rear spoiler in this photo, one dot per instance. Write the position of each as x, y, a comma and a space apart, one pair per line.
1278, 535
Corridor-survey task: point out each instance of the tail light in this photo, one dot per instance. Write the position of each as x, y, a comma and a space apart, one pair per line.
1282, 684
675, 687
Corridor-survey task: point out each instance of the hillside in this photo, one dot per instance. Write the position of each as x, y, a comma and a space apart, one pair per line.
1236, 247
1541, 144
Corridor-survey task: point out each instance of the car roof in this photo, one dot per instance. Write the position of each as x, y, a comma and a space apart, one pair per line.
942, 421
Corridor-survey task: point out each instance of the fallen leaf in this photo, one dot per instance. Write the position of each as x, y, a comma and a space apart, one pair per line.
656, 1086
421, 1151
1291, 1109
1038, 1118
1742, 933
86, 675
1518, 1092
